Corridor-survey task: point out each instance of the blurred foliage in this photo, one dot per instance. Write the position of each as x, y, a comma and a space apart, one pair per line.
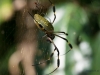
6, 10
81, 19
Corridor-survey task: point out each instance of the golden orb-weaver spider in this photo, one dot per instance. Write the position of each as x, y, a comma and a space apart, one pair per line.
47, 27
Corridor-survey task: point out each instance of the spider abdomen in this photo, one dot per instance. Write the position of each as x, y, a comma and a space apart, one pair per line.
43, 23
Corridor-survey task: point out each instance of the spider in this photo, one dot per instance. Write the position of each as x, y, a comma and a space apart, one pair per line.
47, 27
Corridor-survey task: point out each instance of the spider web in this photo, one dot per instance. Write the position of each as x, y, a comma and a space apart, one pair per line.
21, 28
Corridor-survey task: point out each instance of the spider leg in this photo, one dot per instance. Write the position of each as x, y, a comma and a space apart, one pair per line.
31, 14
54, 10
61, 32
43, 37
58, 60
40, 7
47, 59
58, 32
67, 42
